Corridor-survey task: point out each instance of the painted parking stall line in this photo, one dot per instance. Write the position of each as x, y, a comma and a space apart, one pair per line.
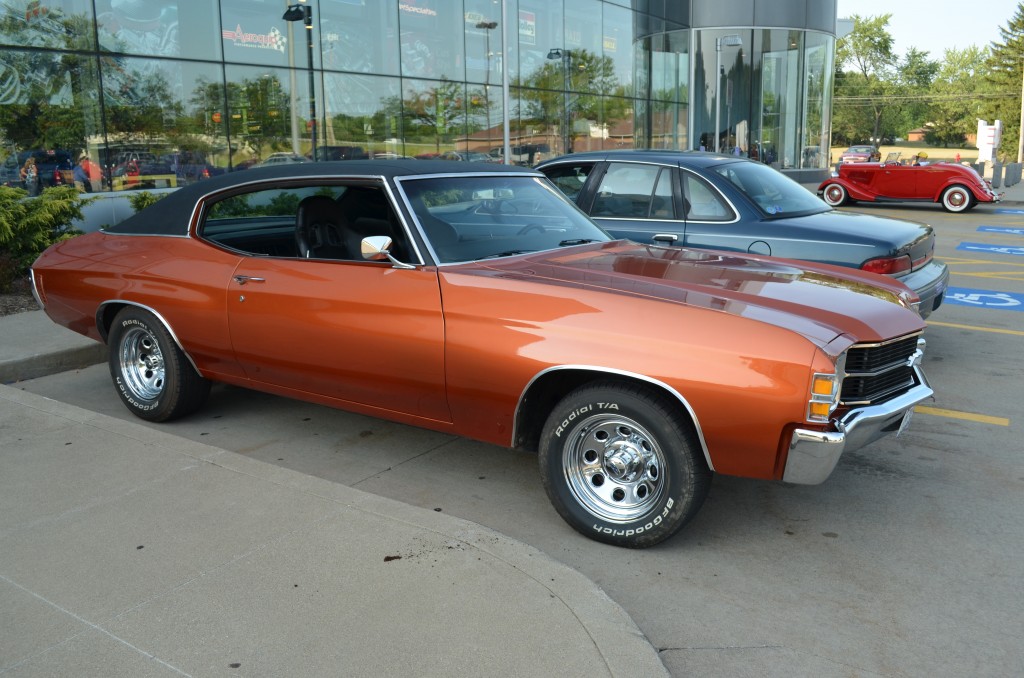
1004, 210
994, 249
1003, 301
1001, 229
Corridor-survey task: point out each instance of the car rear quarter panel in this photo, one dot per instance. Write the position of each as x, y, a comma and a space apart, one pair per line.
744, 380
83, 272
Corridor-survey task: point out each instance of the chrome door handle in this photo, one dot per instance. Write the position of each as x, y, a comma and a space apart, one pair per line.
242, 279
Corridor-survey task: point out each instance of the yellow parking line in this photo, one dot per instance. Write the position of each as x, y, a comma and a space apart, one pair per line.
994, 330
968, 416
992, 275
967, 262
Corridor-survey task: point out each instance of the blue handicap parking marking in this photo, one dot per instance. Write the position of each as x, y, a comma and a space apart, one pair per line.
1004, 210
1001, 229
1004, 301
995, 249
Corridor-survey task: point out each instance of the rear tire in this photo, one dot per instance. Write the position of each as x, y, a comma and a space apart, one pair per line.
957, 198
835, 195
153, 377
621, 466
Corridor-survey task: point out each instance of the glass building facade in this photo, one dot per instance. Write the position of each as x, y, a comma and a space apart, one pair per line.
166, 92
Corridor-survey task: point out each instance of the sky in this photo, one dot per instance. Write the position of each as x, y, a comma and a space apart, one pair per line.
937, 25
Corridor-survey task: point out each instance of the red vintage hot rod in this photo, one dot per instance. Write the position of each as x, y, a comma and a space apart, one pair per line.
957, 187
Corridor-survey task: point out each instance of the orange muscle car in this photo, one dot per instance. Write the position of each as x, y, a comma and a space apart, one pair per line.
477, 300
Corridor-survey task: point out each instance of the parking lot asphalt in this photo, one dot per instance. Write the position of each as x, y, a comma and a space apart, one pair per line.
126, 551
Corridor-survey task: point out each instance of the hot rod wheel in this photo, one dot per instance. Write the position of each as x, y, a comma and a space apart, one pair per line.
621, 466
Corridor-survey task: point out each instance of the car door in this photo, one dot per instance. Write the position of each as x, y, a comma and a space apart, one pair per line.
711, 221
896, 181
358, 331
639, 202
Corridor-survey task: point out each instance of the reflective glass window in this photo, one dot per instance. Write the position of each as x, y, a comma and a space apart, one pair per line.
164, 124
540, 31
723, 121
432, 39
588, 69
50, 111
433, 117
780, 90
55, 24
617, 45
360, 36
257, 33
817, 99
268, 116
153, 27
364, 115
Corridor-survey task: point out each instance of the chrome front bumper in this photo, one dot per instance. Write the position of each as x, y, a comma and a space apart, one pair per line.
813, 454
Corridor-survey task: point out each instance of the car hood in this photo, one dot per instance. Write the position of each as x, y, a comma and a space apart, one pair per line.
817, 301
887, 237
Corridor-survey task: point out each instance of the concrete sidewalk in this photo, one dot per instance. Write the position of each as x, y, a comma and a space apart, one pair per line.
126, 551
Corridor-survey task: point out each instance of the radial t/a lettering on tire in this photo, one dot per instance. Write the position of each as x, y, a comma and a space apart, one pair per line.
621, 465
152, 375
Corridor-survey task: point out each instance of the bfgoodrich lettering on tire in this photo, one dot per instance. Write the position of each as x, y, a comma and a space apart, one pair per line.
621, 465
152, 376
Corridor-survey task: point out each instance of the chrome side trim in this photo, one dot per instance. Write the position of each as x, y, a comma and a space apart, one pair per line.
170, 330
622, 373
35, 292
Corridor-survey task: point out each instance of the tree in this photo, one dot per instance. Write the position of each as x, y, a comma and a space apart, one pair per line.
866, 90
955, 108
1004, 72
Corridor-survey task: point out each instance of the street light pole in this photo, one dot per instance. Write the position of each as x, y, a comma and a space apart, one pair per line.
566, 58
732, 40
304, 12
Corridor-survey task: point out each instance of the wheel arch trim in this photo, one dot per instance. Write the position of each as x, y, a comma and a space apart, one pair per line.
599, 371
103, 329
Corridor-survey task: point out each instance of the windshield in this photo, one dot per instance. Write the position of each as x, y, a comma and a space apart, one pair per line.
775, 194
465, 218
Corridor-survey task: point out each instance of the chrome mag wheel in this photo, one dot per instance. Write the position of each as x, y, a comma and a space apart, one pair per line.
142, 364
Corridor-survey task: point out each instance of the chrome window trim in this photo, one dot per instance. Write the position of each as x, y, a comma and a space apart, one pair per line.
623, 373
198, 212
170, 330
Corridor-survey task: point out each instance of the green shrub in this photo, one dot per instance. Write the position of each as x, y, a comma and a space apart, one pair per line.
30, 225
143, 199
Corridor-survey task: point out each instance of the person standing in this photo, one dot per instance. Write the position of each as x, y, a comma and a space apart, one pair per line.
30, 176
81, 175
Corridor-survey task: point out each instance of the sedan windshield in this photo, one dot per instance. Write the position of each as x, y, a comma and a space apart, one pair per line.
466, 218
775, 194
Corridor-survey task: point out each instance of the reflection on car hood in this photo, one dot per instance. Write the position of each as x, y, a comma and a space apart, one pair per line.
819, 302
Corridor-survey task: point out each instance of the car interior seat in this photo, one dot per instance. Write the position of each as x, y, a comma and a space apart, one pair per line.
318, 229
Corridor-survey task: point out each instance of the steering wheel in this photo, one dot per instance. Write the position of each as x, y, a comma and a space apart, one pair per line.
529, 228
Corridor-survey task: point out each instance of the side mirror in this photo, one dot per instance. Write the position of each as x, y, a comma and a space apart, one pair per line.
378, 248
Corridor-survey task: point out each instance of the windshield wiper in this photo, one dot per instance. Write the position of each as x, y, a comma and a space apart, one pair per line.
576, 241
508, 253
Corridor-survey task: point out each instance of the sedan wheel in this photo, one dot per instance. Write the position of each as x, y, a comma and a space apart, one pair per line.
957, 199
835, 195
620, 466
153, 377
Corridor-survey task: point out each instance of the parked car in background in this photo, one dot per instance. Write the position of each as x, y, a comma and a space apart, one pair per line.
466, 156
54, 167
860, 154
477, 301
276, 159
722, 202
957, 187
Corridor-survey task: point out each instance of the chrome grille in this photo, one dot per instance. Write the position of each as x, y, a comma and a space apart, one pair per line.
877, 372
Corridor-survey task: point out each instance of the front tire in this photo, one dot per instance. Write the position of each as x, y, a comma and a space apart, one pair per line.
835, 195
620, 466
153, 377
957, 199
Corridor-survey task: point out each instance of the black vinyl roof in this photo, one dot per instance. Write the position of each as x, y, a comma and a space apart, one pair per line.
170, 215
